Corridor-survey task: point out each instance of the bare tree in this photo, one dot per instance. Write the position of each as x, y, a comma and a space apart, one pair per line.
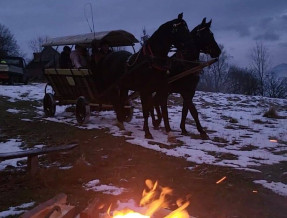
241, 81
215, 76
276, 87
260, 62
36, 44
8, 44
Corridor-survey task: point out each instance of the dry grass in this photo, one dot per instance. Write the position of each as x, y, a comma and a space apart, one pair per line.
271, 113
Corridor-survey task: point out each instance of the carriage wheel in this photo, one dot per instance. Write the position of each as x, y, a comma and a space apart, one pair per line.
128, 112
49, 105
83, 110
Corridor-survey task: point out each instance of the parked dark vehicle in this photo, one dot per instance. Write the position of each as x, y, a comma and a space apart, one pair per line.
13, 70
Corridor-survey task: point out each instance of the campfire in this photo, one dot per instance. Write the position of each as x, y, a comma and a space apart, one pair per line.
155, 203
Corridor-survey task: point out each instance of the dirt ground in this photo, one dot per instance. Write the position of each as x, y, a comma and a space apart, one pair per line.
114, 161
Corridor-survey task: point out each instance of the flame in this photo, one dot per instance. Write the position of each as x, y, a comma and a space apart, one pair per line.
127, 213
154, 199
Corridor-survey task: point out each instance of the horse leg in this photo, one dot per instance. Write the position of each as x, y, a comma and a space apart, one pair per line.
156, 122
165, 117
184, 113
162, 96
193, 111
162, 100
170, 136
159, 116
146, 110
120, 98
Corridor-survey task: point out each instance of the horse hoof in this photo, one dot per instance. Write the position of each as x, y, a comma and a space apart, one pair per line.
148, 136
120, 125
204, 136
184, 132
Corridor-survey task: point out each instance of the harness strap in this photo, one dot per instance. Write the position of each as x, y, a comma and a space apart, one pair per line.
148, 52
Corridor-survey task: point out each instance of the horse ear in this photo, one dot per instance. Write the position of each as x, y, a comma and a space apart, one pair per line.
180, 16
203, 21
209, 23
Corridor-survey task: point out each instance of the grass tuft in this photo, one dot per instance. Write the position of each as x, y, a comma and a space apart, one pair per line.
271, 113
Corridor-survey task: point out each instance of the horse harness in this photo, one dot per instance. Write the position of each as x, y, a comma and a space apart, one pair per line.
150, 58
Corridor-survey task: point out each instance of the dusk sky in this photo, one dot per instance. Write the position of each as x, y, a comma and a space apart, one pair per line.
237, 24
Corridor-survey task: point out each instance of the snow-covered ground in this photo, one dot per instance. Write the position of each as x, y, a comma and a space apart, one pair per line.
240, 137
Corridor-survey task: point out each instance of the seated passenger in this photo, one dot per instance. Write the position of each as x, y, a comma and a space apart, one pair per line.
103, 51
65, 61
79, 57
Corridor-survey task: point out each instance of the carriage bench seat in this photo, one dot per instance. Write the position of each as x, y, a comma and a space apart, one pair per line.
32, 154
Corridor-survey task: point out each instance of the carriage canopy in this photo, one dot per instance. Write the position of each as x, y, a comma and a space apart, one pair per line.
115, 38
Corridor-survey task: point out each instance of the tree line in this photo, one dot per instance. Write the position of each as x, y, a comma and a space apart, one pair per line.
258, 79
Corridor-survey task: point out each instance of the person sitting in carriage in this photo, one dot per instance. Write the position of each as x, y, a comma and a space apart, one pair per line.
102, 52
79, 57
65, 60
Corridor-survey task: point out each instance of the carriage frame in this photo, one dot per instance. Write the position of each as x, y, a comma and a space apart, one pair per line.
78, 86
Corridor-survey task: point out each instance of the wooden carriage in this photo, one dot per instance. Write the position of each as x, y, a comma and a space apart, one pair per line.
78, 86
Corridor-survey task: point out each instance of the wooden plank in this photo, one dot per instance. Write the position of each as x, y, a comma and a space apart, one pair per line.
34, 152
55, 207
59, 199
91, 210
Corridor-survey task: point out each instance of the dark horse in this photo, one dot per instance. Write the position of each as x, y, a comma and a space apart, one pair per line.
201, 40
145, 71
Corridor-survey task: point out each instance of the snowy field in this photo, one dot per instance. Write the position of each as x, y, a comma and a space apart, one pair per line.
240, 137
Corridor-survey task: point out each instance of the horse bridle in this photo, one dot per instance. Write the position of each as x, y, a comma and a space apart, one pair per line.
175, 26
207, 47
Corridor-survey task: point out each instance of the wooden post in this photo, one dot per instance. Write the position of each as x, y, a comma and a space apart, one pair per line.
33, 164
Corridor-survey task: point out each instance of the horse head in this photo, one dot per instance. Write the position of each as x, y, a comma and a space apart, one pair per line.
204, 39
174, 32
180, 32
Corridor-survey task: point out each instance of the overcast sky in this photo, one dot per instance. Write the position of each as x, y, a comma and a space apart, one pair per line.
237, 24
